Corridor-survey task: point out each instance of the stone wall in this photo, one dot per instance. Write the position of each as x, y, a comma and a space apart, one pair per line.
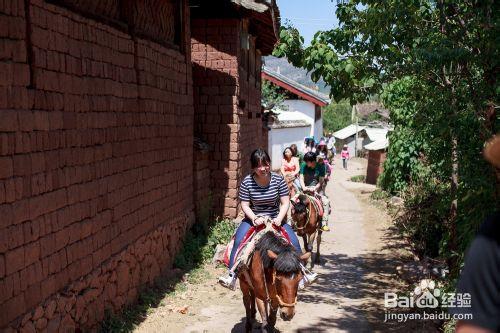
96, 131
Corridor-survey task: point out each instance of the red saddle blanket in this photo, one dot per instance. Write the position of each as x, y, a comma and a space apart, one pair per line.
248, 236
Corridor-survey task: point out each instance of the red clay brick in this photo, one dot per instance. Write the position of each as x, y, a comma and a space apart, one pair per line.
2, 266
32, 253
9, 121
20, 210
33, 295
14, 260
6, 167
12, 308
6, 215
21, 165
10, 190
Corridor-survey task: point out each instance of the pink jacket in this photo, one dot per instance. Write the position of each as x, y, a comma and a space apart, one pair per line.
344, 154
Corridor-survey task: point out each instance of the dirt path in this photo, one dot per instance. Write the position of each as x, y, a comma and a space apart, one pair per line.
359, 257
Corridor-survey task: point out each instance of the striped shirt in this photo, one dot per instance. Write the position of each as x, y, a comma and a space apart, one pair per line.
264, 200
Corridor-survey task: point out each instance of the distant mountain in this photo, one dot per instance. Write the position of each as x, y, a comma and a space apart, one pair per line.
300, 75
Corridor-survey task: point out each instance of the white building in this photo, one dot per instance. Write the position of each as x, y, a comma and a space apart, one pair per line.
374, 135
302, 117
346, 136
366, 136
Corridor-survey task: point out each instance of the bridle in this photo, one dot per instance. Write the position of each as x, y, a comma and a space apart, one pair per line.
307, 220
286, 305
308, 210
268, 299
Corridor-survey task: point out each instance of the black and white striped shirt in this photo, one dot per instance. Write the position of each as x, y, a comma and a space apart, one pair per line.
264, 200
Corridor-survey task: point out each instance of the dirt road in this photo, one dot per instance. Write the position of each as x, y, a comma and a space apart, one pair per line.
359, 257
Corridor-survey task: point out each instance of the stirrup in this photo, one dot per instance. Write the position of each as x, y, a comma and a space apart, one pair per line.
228, 281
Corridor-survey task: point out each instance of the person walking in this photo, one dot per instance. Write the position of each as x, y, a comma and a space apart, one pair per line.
345, 156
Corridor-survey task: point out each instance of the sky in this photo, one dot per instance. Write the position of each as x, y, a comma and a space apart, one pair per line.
309, 16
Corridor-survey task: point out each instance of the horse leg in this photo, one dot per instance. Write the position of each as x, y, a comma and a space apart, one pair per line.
311, 243
272, 317
306, 243
318, 242
261, 306
247, 301
253, 310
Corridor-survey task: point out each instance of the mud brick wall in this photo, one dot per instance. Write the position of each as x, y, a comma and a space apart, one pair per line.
201, 185
252, 134
227, 105
96, 135
375, 166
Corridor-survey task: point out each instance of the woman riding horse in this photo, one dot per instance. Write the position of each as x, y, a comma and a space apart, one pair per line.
311, 179
263, 194
289, 168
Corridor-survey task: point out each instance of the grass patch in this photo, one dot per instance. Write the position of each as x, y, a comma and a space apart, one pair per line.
379, 194
358, 179
198, 248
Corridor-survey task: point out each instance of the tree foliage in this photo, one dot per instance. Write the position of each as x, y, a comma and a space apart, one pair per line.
436, 63
336, 116
272, 98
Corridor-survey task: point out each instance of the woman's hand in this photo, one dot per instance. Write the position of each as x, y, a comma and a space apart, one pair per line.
277, 222
259, 220
309, 189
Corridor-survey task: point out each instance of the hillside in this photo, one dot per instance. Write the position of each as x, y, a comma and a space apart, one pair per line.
297, 74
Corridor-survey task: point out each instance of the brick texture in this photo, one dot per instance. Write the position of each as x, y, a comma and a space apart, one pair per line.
95, 195
226, 80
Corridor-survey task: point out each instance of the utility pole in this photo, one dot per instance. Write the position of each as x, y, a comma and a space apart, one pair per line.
354, 117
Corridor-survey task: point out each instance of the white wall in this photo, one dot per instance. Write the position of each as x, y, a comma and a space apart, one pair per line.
280, 138
305, 111
318, 127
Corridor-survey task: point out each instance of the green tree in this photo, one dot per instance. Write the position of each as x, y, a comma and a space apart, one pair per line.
448, 50
271, 97
336, 116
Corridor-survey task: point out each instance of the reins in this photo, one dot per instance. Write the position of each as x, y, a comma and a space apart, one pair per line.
307, 221
268, 299
308, 211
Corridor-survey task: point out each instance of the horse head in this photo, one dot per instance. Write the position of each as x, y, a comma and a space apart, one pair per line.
285, 263
300, 212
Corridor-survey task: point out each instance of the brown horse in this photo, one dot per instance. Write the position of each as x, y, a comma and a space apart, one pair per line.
271, 281
289, 182
307, 223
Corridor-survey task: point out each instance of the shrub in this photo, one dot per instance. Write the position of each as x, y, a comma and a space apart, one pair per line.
358, 179
200, 242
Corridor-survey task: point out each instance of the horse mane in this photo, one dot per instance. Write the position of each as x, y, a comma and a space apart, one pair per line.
301, 206
288, 259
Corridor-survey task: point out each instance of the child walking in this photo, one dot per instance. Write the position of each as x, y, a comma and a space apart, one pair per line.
345, 156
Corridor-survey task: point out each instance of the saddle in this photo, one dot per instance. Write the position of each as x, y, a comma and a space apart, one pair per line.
247, 247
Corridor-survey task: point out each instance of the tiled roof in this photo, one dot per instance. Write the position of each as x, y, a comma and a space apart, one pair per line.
347, 131
287, 83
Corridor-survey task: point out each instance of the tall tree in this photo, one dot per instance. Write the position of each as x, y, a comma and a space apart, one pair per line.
450, 46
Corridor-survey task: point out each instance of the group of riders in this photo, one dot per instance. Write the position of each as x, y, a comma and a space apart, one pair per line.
265, 196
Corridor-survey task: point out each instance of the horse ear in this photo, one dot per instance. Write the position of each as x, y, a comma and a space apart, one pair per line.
271, 254
305, 256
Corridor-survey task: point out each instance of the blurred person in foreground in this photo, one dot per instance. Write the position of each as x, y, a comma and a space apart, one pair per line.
481, 274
